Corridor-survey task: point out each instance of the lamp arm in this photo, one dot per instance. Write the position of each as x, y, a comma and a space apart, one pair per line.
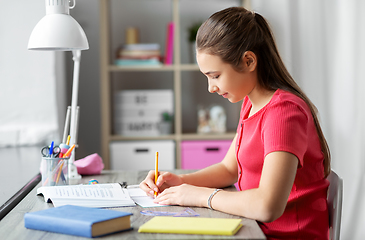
75, 90
73, 125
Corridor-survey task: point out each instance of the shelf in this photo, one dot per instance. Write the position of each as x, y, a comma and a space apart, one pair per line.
182, 67
183, 78
222, 136
186, 136
115, 68
189, 67
147, 138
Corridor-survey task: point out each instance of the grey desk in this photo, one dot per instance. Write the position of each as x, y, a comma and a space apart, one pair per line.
12, 225
18, 175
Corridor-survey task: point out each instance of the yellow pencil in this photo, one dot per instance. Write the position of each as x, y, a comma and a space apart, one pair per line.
68, 153
59, 173
68, 140
156, 170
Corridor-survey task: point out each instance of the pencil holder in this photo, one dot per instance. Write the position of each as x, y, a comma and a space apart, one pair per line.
54, 171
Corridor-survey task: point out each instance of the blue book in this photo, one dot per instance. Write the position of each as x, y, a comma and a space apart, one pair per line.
79, 221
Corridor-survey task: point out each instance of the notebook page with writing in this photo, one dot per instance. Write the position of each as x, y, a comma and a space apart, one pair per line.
140, 197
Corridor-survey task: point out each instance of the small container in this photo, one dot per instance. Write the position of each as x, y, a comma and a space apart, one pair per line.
54, 171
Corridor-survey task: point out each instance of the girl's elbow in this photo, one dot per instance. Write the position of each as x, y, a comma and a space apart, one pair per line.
270, 213
269, 217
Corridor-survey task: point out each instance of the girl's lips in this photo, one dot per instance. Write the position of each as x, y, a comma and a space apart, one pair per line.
224, 95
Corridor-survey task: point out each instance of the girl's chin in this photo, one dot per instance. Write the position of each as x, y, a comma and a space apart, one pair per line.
233, 100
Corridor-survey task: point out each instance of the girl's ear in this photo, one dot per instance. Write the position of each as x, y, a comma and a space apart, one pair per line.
249, 61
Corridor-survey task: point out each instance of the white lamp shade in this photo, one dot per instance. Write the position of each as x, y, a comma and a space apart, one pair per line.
58, 32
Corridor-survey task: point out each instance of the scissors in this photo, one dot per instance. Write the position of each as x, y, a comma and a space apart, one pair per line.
55, 152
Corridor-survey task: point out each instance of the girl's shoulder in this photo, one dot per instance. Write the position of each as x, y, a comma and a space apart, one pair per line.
281, 102
283, 97
287, 103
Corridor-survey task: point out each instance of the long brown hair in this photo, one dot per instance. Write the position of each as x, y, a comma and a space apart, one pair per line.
231, 32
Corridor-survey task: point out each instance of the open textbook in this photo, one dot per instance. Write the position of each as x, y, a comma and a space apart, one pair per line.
96, 195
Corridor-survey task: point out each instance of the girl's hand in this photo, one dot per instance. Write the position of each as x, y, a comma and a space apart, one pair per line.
164, 181
184, 195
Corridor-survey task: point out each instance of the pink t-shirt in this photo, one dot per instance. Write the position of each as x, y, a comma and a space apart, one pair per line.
286, 124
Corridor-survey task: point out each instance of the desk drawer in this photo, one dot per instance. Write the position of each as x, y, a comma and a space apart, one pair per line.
140, 155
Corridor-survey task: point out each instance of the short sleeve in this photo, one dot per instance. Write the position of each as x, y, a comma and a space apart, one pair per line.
285, 129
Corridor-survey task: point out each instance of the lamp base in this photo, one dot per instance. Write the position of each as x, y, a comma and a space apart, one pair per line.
73, 174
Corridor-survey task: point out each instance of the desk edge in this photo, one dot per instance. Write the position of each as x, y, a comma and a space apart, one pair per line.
18, 196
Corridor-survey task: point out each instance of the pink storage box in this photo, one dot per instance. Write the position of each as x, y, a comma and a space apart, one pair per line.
201, 154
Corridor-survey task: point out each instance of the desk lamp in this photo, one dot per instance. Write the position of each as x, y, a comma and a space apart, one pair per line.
58, 31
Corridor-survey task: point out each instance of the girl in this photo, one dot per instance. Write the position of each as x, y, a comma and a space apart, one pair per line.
279, 155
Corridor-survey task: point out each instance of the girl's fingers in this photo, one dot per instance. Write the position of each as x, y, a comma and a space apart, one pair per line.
164, 202
148, 184
169, 178
161, 179
164, 181
162, 198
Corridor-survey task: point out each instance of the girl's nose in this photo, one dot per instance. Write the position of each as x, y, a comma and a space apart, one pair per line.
212, 88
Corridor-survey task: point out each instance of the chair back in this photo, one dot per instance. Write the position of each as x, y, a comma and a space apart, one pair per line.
334, 202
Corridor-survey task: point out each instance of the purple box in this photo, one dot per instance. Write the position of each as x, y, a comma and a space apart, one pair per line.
201, 154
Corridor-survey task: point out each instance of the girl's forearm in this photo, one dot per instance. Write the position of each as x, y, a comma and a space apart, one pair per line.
267, 202
215, 176
249, 204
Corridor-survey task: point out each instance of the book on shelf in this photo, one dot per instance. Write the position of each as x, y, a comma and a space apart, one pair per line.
139, 54
79, 221
153, 62
142, 46
192, 225
94, 195
136, 54
169, 47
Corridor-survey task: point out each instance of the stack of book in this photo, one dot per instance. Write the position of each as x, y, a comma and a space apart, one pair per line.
140, 54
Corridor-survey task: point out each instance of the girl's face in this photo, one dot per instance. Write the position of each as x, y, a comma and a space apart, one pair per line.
224, 80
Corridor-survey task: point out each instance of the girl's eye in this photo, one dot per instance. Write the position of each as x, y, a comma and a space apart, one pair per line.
215, 77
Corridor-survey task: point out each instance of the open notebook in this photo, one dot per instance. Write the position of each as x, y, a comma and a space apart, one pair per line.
140, 197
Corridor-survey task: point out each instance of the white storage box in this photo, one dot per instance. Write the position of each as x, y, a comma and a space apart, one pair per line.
140, 155
139, 112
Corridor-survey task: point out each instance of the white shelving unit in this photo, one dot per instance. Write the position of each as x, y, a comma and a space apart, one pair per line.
176, 71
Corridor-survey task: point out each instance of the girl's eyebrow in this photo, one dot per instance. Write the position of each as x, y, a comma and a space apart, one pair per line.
210, 72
